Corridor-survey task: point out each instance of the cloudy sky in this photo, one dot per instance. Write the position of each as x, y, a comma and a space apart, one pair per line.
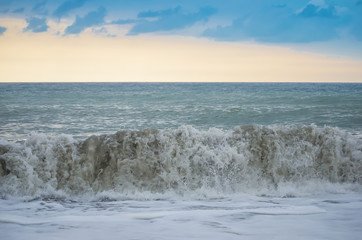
184, 40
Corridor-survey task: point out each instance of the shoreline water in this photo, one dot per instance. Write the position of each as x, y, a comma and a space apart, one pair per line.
328, 216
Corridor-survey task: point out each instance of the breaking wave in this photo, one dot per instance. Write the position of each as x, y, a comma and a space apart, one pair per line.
273, 160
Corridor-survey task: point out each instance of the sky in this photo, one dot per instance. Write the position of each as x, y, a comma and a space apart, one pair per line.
180, 41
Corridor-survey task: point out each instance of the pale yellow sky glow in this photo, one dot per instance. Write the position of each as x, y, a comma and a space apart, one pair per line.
41, 57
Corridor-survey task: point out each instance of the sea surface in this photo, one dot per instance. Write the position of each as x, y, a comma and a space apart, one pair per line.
180, 161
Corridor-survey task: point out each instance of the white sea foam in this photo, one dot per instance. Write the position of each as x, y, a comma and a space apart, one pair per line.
331, 216
183, 162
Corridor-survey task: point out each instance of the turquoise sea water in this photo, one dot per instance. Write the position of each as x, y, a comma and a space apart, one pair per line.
83, 109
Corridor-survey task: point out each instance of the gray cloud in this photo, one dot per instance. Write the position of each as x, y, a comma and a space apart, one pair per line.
67, 6
36, 25
170, 19
2, 30
94, 18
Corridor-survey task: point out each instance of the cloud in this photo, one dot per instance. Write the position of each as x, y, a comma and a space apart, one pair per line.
148, 14
277, 21
94, 18
162, 13
312, 10
67, 6
2, 30
19, 10
283, 25
39, 8
124, 21
170, 19
36, 25
102, 31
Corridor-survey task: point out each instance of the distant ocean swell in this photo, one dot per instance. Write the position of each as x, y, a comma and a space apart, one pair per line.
281, 160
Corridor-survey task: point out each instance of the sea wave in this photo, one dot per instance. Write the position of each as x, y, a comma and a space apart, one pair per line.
253, 159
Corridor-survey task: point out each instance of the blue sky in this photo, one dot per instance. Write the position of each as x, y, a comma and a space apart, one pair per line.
268, 21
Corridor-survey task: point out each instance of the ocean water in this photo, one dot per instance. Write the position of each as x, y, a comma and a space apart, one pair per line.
180, 160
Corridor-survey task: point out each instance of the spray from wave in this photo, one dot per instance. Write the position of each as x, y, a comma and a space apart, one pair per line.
279, 160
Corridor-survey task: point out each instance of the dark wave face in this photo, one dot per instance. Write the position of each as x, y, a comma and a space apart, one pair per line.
186, 161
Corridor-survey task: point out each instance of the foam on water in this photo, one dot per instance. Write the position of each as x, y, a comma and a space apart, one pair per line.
330, 216
184, 162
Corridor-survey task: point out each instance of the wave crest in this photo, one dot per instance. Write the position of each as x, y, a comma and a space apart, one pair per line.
248, 159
